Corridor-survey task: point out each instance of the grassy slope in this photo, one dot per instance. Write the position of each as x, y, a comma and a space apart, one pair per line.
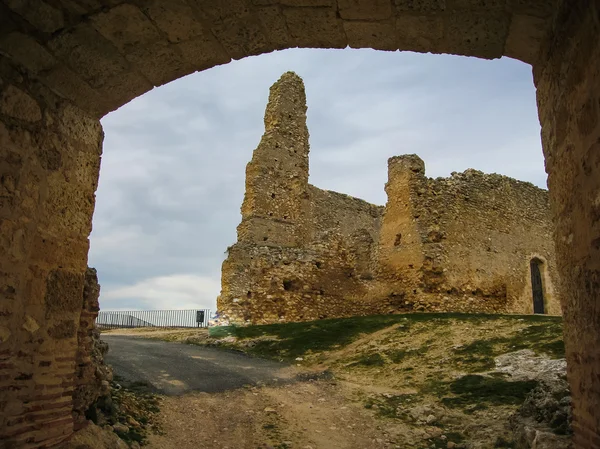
395, 364
438, 360
291, 340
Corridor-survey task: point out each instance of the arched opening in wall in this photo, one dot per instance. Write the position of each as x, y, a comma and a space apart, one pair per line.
113, 56
100, 58
163, 217
537, 285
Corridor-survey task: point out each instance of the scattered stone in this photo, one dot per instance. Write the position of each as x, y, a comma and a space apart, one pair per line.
430, 419
544, 419
526, 365
93, 436
120, 428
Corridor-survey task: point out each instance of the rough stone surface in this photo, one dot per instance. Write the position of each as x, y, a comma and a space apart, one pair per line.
568, 93
544, 420
525, 365
101, 54
458, 244
94, 437
16, 103
49, 162
93, 375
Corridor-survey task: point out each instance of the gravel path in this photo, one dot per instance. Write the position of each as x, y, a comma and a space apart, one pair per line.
175, 368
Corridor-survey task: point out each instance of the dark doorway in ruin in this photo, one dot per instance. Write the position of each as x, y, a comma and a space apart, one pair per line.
536, 286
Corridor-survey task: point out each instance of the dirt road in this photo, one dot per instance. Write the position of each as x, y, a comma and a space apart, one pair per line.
175, 369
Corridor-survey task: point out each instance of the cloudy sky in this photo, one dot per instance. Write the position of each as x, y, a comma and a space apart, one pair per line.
172, 176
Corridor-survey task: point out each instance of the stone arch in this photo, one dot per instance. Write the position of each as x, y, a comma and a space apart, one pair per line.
103, 54
66, 63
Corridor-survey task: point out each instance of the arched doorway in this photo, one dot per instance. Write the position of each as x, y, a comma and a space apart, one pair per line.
537, 286
64, 64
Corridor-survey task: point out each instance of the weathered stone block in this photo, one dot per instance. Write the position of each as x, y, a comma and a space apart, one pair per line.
481, 35
203, 52
176, 18
27, 51
273, 22
241, 37
62, 330
84, 130
126, 27
524, 36
64, 290
30, 324
468, 6
310, 3
172, 65
92, 56
419, 33
123, 87
40, 14
420, 6
365, 9
377, 35
536, 8
5, 334
69, 85
315, 28
16, 103
218, 12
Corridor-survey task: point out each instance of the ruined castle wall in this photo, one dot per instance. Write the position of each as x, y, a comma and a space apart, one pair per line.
462, 243
49, 163
400, 247
329, 275
478, 234
302, 253
355, 222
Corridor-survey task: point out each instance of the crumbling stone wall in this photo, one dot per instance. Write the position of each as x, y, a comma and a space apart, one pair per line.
465, 243
49, 162
93, 376
302, 253
462, 243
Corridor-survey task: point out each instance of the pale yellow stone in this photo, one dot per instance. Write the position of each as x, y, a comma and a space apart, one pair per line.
4, 334
30, 325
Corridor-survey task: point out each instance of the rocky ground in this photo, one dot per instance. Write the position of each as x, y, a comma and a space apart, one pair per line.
412, 381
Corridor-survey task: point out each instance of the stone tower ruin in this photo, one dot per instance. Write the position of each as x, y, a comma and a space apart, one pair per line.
472, 242
277, 175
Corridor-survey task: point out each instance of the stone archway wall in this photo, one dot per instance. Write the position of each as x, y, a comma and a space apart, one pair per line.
568, 91
66, 63
102, 53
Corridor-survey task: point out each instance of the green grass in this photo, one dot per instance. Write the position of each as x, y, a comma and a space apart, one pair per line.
474, 390
370, 360
296, 339
501, 442
541, 338
477, 356
389, 406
